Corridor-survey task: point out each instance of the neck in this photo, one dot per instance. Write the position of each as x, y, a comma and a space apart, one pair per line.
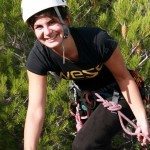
69, 47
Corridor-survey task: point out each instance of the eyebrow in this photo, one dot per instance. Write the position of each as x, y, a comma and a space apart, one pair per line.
40, 24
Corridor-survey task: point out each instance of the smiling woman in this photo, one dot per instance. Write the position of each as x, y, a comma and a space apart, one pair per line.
89, 57
48, 31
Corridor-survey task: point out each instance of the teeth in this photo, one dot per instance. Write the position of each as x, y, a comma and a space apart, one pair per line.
53, 36
61, 35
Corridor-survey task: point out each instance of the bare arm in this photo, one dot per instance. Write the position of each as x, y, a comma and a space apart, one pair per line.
129, 89
36, 110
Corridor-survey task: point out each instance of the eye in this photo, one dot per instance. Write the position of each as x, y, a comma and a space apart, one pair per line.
51, 22
38, 27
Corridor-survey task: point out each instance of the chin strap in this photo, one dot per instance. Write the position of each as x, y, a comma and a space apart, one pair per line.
65, 29
63, 50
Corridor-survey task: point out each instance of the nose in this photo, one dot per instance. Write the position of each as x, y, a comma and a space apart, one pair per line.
47, 31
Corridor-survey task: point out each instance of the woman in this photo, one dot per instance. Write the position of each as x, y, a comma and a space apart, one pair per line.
89, 57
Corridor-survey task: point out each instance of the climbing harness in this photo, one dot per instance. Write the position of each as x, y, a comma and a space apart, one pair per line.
84, 103
81, 105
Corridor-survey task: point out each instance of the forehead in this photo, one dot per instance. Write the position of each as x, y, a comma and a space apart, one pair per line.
44, 18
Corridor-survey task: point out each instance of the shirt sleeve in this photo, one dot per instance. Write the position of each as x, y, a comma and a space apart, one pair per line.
36, 60
106, 44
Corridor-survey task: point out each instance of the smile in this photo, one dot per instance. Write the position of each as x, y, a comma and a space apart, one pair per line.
51, 38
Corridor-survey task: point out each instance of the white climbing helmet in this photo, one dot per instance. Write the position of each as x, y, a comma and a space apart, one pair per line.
31, 7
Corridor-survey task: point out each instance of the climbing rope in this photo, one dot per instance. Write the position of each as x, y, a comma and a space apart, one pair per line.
84, 106
115, 107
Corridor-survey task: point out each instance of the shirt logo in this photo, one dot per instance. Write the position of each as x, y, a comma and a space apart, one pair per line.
81, 74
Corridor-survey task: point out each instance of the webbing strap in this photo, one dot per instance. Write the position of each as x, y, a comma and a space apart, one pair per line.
115, 97
59, 15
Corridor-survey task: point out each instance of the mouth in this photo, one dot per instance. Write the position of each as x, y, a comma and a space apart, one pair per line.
51, 38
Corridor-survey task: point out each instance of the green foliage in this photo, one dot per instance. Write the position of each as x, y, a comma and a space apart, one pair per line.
122, 9
145, 72
13, 96
13, 90
131, 142
3, 88
57, 133
1, 34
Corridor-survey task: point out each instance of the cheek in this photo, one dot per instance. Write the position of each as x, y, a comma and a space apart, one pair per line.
58, 28
38, 34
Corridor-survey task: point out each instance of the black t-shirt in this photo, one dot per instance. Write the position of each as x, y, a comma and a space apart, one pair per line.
94, 47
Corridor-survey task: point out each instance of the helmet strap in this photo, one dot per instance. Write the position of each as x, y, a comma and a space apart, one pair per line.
63, 50
66, 31
65, 28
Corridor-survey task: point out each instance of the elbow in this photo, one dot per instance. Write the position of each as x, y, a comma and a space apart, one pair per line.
124, 78
124, 81
36, 114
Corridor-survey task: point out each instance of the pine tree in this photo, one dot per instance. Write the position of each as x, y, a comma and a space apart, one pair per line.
13, 80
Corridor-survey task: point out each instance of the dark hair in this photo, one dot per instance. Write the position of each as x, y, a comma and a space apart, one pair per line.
49, 12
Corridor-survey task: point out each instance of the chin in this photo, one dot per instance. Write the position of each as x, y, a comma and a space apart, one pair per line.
53, 45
